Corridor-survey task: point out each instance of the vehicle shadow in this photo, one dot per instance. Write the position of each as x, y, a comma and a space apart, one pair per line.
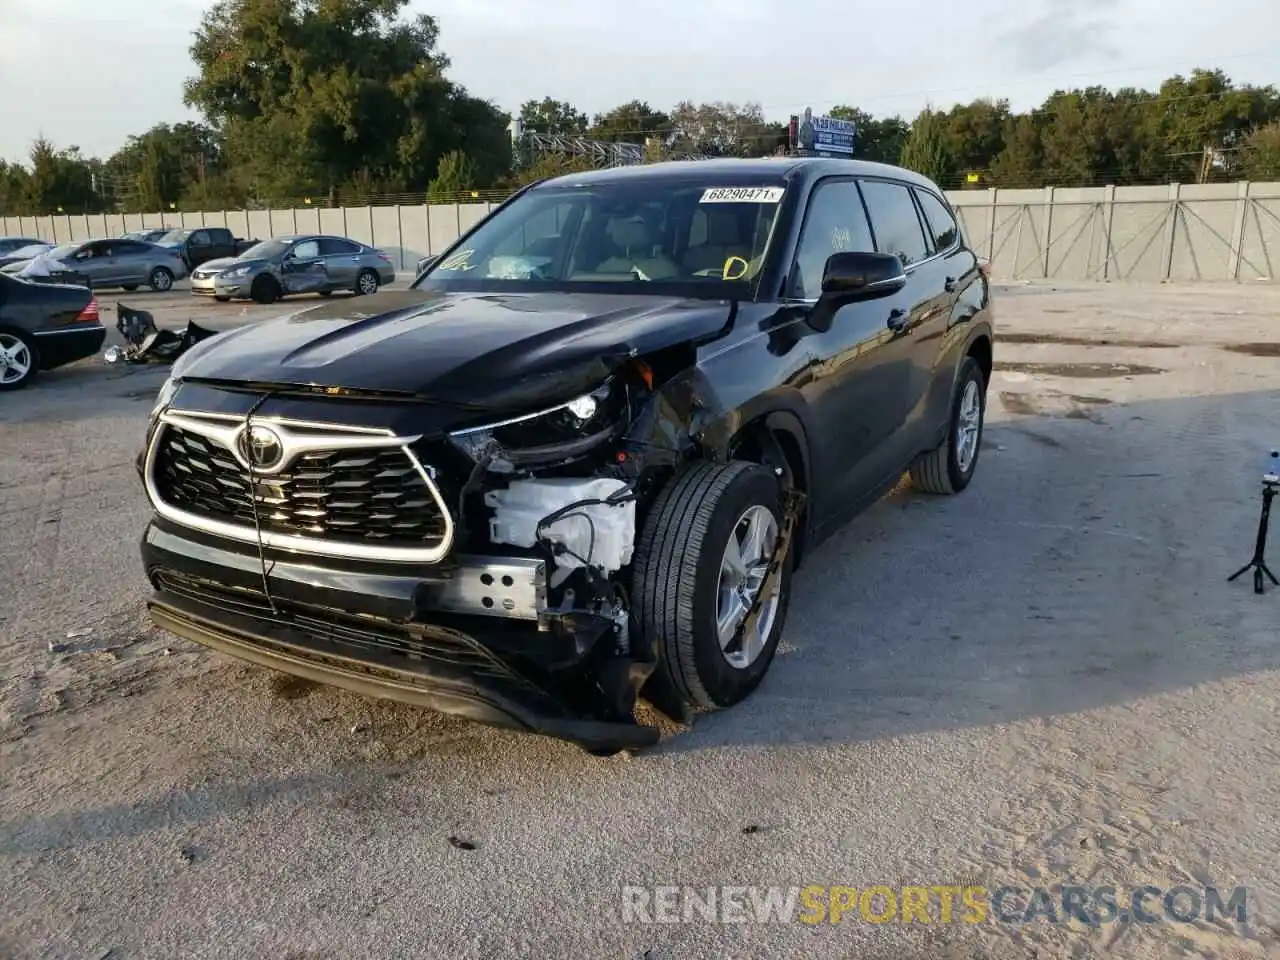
1084, 568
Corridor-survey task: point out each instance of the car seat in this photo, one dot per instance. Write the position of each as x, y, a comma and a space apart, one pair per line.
635, 241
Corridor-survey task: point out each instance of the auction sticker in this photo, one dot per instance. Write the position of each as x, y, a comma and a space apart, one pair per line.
743, 195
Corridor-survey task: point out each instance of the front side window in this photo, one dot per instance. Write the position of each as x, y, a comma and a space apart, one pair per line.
835, 223
266, 250
306, 250
698, 238
894, 217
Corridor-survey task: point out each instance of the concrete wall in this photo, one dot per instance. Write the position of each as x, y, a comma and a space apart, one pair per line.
1228, 231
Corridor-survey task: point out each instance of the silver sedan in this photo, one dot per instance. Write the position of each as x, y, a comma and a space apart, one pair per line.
304, 263
113, 263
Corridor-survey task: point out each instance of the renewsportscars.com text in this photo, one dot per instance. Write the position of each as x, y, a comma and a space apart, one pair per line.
933, 904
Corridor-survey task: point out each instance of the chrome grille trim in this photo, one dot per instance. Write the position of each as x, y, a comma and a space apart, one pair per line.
298, 436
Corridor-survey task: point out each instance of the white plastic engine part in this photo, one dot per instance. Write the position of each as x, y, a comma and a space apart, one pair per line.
525, 503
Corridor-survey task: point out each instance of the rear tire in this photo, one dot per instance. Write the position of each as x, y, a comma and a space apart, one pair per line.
367, 283
161, 280
264, 289
22, 361
221, 298
680, 589
949, 467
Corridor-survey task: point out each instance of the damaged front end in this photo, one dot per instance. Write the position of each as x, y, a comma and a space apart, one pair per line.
481, 570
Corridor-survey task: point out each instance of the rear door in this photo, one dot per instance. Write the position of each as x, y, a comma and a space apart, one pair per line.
341, 260
133, 261
202, 246
909, 316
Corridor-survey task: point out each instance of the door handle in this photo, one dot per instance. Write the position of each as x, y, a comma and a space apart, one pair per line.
950, 285
897, 319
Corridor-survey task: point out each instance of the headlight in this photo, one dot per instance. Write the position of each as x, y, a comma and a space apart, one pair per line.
164, 397
559, 433
236, 273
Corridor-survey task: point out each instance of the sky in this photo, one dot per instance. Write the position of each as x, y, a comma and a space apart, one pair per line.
91, 72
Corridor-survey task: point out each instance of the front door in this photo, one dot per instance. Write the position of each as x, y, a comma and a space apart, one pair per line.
849, 378
303, 270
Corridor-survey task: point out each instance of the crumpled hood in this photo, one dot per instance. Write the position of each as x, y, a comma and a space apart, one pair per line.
470, 349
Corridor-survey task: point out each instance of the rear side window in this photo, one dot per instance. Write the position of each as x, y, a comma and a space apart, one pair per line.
942, 225
894, 218
333, 247
834, 223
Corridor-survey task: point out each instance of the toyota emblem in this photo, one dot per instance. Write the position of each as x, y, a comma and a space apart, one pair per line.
261, 447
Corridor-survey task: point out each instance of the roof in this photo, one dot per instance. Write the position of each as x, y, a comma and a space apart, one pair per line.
765, 167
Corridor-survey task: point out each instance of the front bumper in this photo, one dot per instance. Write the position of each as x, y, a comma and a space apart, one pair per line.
218, 286
366, 628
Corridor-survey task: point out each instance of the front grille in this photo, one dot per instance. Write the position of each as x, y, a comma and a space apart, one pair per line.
370, 496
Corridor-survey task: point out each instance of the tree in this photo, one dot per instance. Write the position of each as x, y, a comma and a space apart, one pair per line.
167, 164
61, 180
721, 130
925, 151
1018, 164
1260, 154
325, 96
879, 141
633, 122
552, 116
454, 176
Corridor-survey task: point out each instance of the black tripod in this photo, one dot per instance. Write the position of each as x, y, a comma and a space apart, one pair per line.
1259, 564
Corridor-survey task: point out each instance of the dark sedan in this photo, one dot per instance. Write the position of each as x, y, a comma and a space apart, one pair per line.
42, 326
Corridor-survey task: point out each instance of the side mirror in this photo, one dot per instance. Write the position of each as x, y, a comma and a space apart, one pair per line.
862, 276
426, 263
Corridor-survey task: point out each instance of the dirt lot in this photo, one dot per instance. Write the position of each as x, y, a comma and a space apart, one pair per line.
1045, 680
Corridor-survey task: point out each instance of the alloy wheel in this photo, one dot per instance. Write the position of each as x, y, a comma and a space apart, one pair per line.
968, 425
15, 359
742, 571
368, 284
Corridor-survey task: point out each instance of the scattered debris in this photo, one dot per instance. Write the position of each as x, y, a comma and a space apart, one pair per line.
461, 844
359, 728
55, 647
188, 854
77, 634
751, 828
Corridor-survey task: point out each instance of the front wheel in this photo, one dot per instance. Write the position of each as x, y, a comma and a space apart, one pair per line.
161, 280
264, 289
949, 467
699, 567
19, 360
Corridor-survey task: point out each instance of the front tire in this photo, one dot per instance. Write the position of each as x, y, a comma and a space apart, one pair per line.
264, 289
19, 359
948, 468
161, 280
699, 559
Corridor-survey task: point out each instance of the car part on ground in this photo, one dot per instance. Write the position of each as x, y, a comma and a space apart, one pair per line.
578, 461
146, 343
44, 325
296, 264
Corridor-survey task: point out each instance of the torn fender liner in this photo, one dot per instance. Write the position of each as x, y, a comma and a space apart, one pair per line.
467, 680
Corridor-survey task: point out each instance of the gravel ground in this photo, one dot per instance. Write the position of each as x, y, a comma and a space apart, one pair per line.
1045, 680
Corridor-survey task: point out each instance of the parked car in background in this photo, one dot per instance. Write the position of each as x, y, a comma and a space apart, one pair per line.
116, 263
29, 252
302, 263
146, 236
578, 460
201, 244
9, 244
42, 326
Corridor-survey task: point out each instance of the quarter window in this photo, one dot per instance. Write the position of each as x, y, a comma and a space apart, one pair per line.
835, 223
897, 225
942, 225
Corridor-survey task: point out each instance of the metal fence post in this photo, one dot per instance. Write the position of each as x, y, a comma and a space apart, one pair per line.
1170, 237
1237, 230
1109, 214
991, 246
1048, 227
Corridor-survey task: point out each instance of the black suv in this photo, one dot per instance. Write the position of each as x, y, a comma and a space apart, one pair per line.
577, 462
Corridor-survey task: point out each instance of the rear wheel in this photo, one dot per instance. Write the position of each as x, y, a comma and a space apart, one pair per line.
367, 283
949, 467
264, 289
221, 297
19, 359
700, 565
161, 280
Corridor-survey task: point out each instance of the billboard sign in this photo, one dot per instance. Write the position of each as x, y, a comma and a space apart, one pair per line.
826, 136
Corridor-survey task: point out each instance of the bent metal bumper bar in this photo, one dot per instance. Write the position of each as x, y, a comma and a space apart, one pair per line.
491, 694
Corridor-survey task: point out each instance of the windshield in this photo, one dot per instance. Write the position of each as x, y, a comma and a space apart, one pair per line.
66, 250
680, 237
265, 250
174, 236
